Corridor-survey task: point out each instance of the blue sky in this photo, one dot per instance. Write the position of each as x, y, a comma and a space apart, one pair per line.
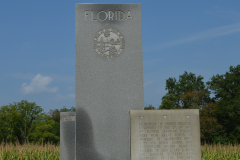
37, 46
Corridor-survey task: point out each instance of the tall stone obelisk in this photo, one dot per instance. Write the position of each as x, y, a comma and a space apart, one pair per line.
109, 78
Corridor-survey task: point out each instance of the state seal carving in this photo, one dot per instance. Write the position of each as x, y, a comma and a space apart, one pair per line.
108, 43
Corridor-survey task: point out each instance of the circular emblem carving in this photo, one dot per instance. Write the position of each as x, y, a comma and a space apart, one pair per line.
108, 43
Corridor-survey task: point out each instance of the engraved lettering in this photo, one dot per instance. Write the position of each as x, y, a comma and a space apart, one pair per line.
102, 13
110, 15
142, 135
120, 15
170, 123
86, 13
67, 118
107, 15
94, 19
116, 15
129, 15
165, 140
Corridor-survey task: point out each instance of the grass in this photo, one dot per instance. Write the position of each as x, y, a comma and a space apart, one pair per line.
52, 152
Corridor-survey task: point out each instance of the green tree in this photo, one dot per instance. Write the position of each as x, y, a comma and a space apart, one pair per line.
25, 121
3, 130
226, 89
169, 101
18, 118
149, 107
44, 130
188, 92
210, 129
9, 118
64, 109
55, 116
28, 114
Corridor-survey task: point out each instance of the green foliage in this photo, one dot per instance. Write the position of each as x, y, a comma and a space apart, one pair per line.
219, 116
64, 109
25, 122
45, 130
17, 120
210, 129
29, 112
169, 101
188, 92
47, 127
9, 117
226, 88
149, 107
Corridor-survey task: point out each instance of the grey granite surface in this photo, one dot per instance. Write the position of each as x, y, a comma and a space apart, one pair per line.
67, 135
109, 78
165, 134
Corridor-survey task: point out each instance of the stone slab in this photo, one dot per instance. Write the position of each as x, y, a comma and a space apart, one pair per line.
67, 135
109, 78
165, 135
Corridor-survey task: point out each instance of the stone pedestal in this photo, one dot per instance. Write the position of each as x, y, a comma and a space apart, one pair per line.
67, 135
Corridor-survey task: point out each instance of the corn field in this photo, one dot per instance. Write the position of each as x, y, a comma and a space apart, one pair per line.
220, 152
29, 152
52, 152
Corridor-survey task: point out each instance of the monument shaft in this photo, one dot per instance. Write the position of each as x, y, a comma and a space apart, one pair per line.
109, 78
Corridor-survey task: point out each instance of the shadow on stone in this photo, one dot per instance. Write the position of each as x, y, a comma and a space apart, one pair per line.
85, 148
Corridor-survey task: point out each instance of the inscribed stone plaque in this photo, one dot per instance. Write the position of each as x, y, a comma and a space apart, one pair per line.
165, 135
67, 135
109, 78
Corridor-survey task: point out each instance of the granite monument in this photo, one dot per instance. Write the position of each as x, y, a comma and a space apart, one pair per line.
109, 78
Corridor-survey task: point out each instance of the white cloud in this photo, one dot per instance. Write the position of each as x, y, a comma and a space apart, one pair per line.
39, 85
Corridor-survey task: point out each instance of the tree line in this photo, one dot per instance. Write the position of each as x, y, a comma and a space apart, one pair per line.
218, 101
26, 122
